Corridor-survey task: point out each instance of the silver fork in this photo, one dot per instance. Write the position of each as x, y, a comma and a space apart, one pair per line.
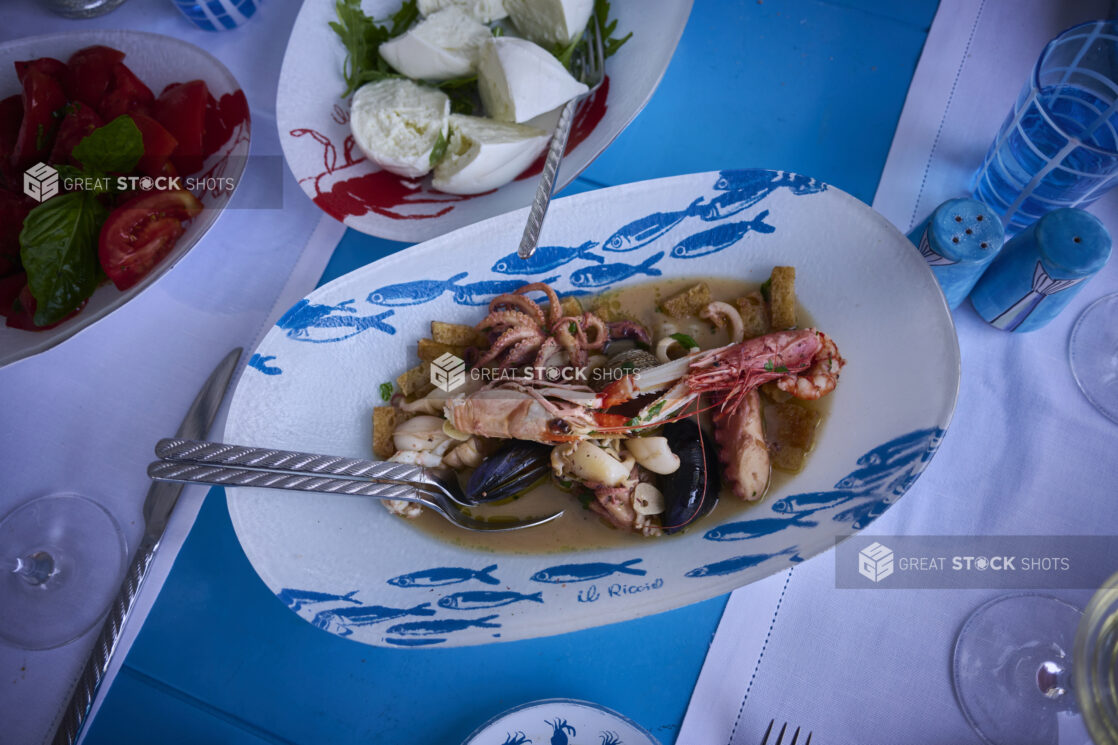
219, 464
590, 69
780, 735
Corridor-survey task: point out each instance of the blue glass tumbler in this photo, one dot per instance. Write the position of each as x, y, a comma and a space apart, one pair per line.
217, 15
1059, 145
1041, 269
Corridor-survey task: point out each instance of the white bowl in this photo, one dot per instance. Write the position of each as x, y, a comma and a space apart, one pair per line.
338, 562
158, 61
314, 130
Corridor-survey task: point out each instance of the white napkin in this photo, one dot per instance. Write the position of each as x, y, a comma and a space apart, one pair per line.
1025, 454
85, 415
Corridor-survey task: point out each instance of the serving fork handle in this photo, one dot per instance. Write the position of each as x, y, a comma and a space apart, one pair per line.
546, 187
241, 456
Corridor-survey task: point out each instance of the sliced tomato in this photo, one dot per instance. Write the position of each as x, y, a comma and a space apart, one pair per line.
10, 287
91, 70
50, 67
127, 94
42, 97
222, 117
11, 115
140, 232
13, 211
181, 108
158, 145
79, 121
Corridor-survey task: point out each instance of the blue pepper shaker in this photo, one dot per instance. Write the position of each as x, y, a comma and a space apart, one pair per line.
958, 240
1041, 270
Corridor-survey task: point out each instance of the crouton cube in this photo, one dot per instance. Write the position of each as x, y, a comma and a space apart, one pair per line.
384, 424
456, 334
782, 297
689, 302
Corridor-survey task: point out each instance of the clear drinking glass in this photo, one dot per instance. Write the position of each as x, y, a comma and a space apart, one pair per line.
1027, 666
62, 558
1059, 145
1093, 354
81, 8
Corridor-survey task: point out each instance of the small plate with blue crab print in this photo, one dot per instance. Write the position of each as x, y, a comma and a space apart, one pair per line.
560, 721
349, 567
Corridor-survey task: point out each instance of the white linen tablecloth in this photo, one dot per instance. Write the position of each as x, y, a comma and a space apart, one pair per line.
1026, 454
84, 416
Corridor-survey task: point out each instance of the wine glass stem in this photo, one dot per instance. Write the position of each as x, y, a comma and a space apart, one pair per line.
1053, 679
36, 568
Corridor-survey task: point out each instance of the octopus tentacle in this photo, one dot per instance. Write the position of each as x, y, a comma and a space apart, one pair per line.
553, 310
520, 352
516, 301
499, 318
629, 330
507, 339
591, 322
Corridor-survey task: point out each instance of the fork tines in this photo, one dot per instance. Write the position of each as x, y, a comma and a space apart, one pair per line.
780, 735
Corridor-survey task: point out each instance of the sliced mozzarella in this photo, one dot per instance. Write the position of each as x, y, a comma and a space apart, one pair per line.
483, 154
485, 11
550, 22
518, 80
396, 123
443, 46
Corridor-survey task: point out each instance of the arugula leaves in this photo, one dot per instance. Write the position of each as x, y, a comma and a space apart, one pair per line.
610, 45
362, 36
58, 247
58, 242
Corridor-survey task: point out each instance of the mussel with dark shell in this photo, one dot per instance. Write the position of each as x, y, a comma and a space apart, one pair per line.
692, 490
516, 467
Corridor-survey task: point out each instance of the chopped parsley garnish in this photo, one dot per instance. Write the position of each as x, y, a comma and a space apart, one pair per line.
386, 390
685, 341
770, 368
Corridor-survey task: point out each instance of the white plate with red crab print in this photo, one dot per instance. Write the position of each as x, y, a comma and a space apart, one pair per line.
314, 130
351, 568
561, 721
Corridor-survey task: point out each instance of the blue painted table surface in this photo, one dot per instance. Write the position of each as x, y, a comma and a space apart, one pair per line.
804, 85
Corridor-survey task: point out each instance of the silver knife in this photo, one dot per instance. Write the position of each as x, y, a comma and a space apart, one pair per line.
160, 502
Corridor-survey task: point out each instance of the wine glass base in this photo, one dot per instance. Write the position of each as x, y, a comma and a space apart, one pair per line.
1093, 354
998, 653
87, 555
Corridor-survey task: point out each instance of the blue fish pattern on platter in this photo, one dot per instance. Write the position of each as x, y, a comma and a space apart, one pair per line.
606, 274
718, 238
480, 293
296, 599
262, 363
442, 626
475, 599
546, 258
320, 324
414, 293
737, 563
644, 230
743, 189
341, 621
586, 572
882, 475
738, 531
415, 641
440, 576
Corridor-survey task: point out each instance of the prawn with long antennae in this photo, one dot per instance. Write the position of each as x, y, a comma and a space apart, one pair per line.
805, 363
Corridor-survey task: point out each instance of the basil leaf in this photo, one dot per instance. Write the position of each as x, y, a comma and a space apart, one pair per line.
113, 148
439, 149
58, 247
685, 341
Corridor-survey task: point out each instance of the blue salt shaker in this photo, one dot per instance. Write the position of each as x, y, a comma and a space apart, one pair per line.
1041, 269
958, 240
